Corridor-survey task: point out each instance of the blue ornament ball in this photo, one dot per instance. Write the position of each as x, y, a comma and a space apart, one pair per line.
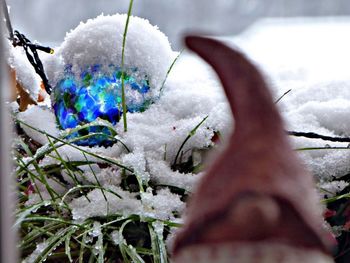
97, 93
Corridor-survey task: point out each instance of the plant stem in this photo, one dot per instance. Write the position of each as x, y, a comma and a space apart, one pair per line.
122, 66
169, 70
192, 132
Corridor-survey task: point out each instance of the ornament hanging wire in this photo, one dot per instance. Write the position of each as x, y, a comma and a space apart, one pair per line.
30, 48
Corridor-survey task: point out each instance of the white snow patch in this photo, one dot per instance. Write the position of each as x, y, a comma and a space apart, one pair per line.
83, 209
316, 69
40, 118
99, 41
162, 205
36, 253
25, 73
162, 174
330, 189
116, 237
309, 56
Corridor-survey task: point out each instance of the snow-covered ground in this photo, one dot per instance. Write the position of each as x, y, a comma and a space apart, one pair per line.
308, 56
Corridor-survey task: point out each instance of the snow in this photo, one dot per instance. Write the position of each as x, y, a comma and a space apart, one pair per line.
162, 174
158, 228
107, 176
96, 229
25, 73
136, 160
36, 253
310, 57
40, 118
99, 41
83, 209
330, 189
116, 237
162, 205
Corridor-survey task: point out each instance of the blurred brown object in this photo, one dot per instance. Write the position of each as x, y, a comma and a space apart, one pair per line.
42, 92
256, 203
19, 92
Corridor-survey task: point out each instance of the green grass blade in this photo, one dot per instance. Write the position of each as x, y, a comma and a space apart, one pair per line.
158, 247
69, 143
169, 70
67, 246
52, 243
80, 187
97, 181
82, 247
192, 133
100, 258
122, 65
28, 210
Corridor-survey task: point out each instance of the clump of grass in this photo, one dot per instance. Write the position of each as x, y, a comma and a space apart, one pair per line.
49, 232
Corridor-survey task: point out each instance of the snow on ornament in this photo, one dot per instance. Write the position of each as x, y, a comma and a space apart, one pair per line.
86, 73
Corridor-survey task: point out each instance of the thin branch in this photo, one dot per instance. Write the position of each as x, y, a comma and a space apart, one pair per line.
312, 135
284, 94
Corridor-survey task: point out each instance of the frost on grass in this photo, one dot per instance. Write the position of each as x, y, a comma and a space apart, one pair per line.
36, 253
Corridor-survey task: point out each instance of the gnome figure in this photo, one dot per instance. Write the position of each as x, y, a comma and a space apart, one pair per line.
257, 202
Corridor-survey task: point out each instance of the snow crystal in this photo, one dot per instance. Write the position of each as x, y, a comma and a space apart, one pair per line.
107, 176
337, 230
331, 164
35, 198
158, 228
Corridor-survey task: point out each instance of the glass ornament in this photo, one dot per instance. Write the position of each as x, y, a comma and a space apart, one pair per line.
97, 93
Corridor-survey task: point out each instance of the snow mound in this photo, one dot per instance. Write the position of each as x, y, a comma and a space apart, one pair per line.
318, 102
99, 41
310, 57
191, 94
103, 203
